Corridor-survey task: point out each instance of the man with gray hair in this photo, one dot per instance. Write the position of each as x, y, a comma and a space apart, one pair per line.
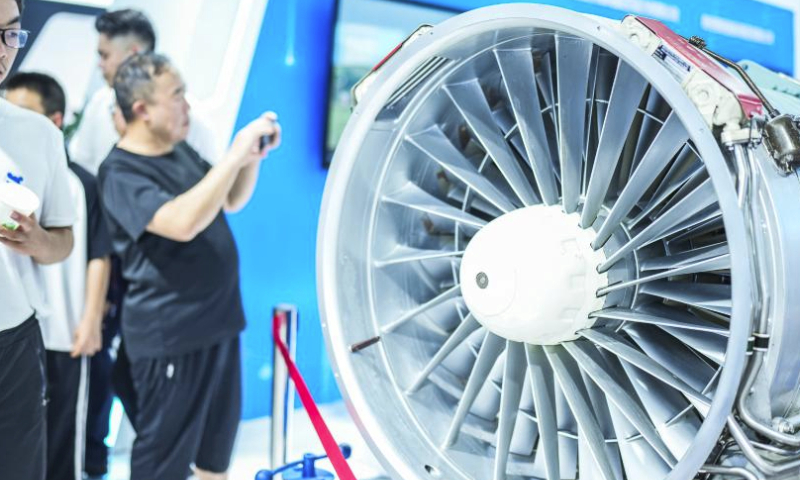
121, 34
182, 313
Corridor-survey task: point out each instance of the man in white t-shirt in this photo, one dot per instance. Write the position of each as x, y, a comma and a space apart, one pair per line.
76, 294
123, 33
33, 155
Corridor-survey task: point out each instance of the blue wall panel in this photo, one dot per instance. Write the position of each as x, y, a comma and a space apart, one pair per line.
277, 231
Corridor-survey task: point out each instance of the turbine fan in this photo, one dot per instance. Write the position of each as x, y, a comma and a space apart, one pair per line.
543, 231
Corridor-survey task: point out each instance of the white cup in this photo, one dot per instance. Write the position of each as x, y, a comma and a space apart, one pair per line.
16, 198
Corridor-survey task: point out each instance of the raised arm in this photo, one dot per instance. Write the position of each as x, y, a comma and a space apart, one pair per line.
245, 183
184, 217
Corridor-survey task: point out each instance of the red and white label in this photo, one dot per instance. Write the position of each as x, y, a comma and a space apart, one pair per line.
680, 57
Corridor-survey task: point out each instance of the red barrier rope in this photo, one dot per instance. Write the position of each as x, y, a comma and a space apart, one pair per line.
331, 447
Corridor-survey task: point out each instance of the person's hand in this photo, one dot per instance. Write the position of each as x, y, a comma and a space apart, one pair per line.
88, 338
245, 147
275, 142
28, 239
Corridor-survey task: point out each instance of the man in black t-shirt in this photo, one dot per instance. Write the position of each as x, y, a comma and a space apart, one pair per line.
182, 312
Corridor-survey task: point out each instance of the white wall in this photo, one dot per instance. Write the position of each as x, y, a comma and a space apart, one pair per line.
69, 58
211, 42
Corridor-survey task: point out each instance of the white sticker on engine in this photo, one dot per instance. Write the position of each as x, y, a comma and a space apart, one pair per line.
674, 62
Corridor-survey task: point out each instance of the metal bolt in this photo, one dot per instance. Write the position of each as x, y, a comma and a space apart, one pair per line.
785, 426
698, 42
483, 280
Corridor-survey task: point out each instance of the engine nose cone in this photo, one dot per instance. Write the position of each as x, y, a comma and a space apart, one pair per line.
530, 276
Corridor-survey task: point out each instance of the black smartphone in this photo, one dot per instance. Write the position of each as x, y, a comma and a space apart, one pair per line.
264, 141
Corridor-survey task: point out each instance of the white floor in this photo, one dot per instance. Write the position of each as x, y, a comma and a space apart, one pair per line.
252, 447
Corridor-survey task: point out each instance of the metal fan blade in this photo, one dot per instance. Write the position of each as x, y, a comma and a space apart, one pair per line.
470, 101
413, 197
669, 140
490, 350
435, 144
573, 57
516, 67
626, 95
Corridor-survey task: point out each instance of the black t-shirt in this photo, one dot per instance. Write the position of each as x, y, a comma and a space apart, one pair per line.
98, 241
182, 296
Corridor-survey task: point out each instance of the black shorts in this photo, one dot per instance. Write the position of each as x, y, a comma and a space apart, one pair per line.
189, 408
23, 411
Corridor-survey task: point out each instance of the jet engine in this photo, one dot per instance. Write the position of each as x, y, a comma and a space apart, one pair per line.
554, 246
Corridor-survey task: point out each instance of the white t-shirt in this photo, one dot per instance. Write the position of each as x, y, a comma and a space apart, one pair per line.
33, 155
96, 135
65, 282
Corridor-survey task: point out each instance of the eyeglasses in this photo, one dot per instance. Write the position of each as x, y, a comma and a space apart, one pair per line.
14, 37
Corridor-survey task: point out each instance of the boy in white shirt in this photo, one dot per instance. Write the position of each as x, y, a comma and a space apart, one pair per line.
32, 155
76, 291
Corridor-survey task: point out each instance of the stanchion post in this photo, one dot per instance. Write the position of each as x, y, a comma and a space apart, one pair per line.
283, 391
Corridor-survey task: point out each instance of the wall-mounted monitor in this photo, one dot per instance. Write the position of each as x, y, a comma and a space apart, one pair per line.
365, 31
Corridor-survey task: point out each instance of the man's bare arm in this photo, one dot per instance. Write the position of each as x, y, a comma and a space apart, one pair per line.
184, 217
44, 245
88, 336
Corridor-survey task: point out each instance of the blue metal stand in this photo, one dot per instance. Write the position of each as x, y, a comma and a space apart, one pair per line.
304, 469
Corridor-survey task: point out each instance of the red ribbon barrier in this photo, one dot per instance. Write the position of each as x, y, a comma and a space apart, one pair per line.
340, 465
